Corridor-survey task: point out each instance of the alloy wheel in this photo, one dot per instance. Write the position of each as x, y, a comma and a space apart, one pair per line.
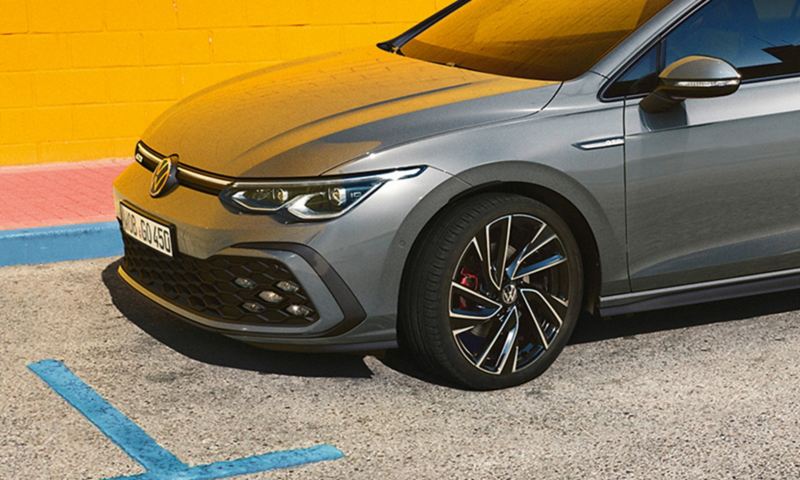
509, 294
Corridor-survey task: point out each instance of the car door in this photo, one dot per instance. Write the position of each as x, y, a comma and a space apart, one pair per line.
713, 185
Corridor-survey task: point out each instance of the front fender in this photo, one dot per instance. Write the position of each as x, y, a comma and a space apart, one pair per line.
610, 246
540, 150
610, 242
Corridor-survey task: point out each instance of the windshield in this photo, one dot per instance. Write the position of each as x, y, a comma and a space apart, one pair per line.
538, 39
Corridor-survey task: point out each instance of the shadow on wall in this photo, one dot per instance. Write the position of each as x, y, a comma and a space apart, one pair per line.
215, 349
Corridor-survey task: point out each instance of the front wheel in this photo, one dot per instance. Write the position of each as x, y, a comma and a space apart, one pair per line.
493, 293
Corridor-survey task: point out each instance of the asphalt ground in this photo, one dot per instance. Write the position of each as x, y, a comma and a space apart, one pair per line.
700, 392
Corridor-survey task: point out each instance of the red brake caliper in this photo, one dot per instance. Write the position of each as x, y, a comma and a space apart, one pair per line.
469, 280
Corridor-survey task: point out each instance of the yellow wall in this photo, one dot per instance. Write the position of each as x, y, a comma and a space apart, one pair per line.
81, 79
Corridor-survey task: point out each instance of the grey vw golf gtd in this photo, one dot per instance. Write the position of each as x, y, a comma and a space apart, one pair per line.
468, 188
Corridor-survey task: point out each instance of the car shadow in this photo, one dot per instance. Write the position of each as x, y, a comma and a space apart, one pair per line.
595, 329
209, 347
215, 349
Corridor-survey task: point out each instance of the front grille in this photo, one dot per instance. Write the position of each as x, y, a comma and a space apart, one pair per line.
209, 287
187, 176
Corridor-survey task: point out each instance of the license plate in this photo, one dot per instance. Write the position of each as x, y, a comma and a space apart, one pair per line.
153, 234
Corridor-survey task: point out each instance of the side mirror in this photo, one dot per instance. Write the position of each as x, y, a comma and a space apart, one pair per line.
692, 77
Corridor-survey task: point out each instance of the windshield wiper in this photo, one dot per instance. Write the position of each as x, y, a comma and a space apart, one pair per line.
389, 47
395, 45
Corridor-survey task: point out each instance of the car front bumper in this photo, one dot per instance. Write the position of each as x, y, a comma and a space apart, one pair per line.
346, 267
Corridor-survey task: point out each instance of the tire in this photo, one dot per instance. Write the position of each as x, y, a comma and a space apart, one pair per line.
460, 316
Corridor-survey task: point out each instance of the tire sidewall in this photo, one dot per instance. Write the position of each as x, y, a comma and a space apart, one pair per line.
460, 367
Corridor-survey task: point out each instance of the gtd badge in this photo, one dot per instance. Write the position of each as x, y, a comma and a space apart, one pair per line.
164, 176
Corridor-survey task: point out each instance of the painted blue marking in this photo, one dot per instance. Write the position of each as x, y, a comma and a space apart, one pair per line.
157, 461
250, 465
116, 426
58, 244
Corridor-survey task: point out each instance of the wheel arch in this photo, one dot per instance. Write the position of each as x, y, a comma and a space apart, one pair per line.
575, 220
606, 262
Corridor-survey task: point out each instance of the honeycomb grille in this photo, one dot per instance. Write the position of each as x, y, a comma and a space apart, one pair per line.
208, 288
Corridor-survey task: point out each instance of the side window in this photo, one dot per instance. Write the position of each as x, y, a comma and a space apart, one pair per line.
641, 77
761, 38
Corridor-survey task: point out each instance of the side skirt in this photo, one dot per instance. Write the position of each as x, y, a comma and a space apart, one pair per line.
700, 293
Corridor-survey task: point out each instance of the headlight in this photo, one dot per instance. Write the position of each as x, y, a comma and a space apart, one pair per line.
310, 199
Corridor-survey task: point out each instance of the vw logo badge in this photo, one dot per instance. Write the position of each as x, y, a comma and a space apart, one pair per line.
509, 294
164, 176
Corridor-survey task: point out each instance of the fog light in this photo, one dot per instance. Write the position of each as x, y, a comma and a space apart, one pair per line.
288, 287
299, 310
270, 297
254, 307
245, 283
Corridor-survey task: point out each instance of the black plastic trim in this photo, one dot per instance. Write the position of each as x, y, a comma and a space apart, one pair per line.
365, 347
394, 45
272, 342
702, 293
184, 174
212, 188
144, 160
353, 312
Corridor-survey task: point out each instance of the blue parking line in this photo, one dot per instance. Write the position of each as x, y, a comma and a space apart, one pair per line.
57, 244
116, 426
250, 465
157, 461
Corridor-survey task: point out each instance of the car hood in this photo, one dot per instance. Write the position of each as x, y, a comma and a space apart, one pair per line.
305, 118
